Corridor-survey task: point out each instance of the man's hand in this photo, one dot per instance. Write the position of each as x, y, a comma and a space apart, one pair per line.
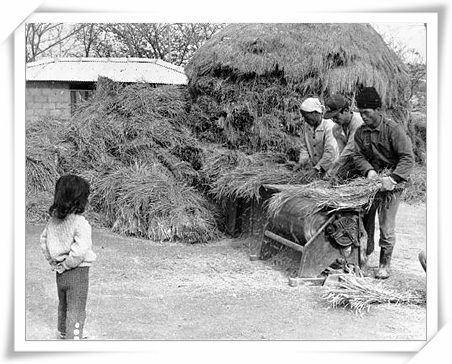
320, 172
304, 162
387, 184
329, 174
372, 174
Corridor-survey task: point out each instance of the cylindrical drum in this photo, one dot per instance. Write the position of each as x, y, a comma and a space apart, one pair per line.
296, 222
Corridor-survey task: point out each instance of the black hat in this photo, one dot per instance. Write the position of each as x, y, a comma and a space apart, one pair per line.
334, 105
368, 98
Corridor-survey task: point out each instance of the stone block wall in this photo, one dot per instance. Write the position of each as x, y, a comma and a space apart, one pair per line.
47, 99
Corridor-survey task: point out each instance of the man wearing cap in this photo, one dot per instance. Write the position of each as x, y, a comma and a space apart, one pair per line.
382, 145
346, 123
318, 137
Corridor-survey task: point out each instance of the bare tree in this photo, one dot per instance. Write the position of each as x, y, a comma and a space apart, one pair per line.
42, 39
189, 37
88, 35
174, 43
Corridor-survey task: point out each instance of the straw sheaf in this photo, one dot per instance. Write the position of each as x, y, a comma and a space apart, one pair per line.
144, 200
231, 174
359, 294
313, 58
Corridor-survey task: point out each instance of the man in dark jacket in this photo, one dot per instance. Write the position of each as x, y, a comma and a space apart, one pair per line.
382, 150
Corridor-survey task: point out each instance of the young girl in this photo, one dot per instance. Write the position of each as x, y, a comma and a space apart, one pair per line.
66, 244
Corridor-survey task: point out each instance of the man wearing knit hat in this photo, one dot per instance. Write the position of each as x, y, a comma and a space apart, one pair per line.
318, 137
381, 145
346, 122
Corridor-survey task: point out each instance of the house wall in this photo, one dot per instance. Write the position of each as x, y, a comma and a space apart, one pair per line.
47, 99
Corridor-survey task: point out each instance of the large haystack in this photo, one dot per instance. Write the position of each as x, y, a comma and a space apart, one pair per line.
248, 80
131, 143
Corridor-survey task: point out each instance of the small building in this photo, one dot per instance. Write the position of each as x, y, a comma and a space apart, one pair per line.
54, 86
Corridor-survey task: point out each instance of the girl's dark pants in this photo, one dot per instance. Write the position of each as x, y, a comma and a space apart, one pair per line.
72, 286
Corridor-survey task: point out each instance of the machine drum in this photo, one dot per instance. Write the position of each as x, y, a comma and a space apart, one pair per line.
344, 230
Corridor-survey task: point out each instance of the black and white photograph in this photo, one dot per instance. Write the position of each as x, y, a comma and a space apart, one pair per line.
226, 181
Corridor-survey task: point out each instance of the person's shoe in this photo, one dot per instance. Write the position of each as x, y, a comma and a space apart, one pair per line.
382, 273
62, 336
385, 262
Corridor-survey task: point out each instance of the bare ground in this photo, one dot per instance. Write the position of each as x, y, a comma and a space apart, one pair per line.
143, 290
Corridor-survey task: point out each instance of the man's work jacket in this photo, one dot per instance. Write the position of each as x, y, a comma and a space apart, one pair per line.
320, 144
385, 147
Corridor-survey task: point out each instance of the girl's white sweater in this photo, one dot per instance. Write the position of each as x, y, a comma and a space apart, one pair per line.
68, 242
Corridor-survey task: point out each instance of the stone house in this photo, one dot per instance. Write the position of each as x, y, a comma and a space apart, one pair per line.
54, 86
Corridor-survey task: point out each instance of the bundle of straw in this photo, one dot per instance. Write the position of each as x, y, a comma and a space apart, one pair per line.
141, 99
145, 200
357, 193
219, 160
359, 294
245, 182
234, 175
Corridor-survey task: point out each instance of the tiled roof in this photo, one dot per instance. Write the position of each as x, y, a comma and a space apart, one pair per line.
117, 69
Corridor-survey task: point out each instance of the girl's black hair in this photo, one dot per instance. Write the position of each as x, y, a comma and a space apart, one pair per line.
71, 196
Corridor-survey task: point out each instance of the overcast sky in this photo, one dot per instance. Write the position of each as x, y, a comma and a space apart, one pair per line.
411, 35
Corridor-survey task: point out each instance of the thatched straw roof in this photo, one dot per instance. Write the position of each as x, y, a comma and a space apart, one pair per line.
317, 59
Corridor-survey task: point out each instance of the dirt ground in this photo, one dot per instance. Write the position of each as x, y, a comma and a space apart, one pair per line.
143, 290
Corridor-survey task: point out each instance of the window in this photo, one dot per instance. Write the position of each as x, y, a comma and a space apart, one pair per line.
79, 94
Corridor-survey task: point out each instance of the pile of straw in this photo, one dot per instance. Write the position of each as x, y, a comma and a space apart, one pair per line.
358, 193
129, 123
142, 162
37, 206
144, 200
359, 294
41, 154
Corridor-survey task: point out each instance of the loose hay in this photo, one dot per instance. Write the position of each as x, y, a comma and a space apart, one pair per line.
359, 294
